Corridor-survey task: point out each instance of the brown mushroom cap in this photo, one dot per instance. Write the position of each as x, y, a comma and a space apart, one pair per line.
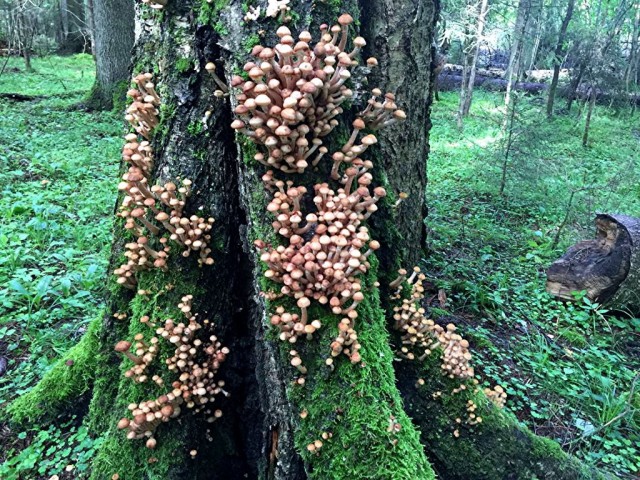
122, 346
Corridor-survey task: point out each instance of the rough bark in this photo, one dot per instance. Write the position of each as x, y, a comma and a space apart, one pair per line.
262, 434
113, 36
606, 267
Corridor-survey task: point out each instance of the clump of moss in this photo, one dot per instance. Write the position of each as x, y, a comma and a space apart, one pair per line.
183, 65
209, 11
71, 377
113, 392
498, 447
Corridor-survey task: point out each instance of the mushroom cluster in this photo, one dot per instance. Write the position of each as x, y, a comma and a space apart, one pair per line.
295, 93
346, 342
426, 335
149, 211
138, 153
140, 256
155, 210
292, 325
325, 253
195, 363
277, 7
143, 112
497, 395
142, 115
291, 101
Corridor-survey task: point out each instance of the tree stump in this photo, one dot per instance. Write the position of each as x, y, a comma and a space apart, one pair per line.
607, 267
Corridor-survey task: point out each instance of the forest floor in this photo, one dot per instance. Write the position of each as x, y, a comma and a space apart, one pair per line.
570, 370
57, 171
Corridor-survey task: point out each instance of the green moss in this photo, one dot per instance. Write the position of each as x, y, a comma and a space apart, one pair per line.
167, 111
209, 12
499, 447
574, 337
250, 42
71, 377
183, 65
355, 403
119, 96
195, 128
113, 392
221, 28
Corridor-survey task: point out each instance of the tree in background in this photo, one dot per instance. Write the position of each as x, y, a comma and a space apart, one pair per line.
472, 52
558, 55
73, 34
113, 38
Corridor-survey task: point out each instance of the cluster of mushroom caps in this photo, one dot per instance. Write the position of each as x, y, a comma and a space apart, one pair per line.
327, 252
497, 395
424, 334
291, 102
275, 8
295, 93
151, 210
196, 386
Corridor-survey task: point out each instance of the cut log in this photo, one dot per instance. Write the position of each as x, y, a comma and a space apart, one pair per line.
607, 267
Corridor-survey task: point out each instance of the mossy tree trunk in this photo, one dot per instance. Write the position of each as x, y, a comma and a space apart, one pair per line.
262, 433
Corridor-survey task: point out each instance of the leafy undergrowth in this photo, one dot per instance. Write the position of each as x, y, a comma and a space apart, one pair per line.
571, 370
53, 75
57, 190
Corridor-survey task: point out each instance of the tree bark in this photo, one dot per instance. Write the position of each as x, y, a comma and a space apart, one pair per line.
630, 74
270, 421
113, 36
606, 267
557, 57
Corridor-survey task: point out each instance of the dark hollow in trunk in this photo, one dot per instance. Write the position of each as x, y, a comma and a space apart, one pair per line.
607, 267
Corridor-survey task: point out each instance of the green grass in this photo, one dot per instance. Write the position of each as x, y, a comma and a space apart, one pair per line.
57, 184
570, 369
54, 75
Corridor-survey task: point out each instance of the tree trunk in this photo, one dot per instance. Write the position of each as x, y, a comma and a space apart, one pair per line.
515, 59
557, 57
468, 97
607, 268
24, 32
91, 27
519, 33
113, 36
73, 31
574, 84
591, 98
346, 421
630, 73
